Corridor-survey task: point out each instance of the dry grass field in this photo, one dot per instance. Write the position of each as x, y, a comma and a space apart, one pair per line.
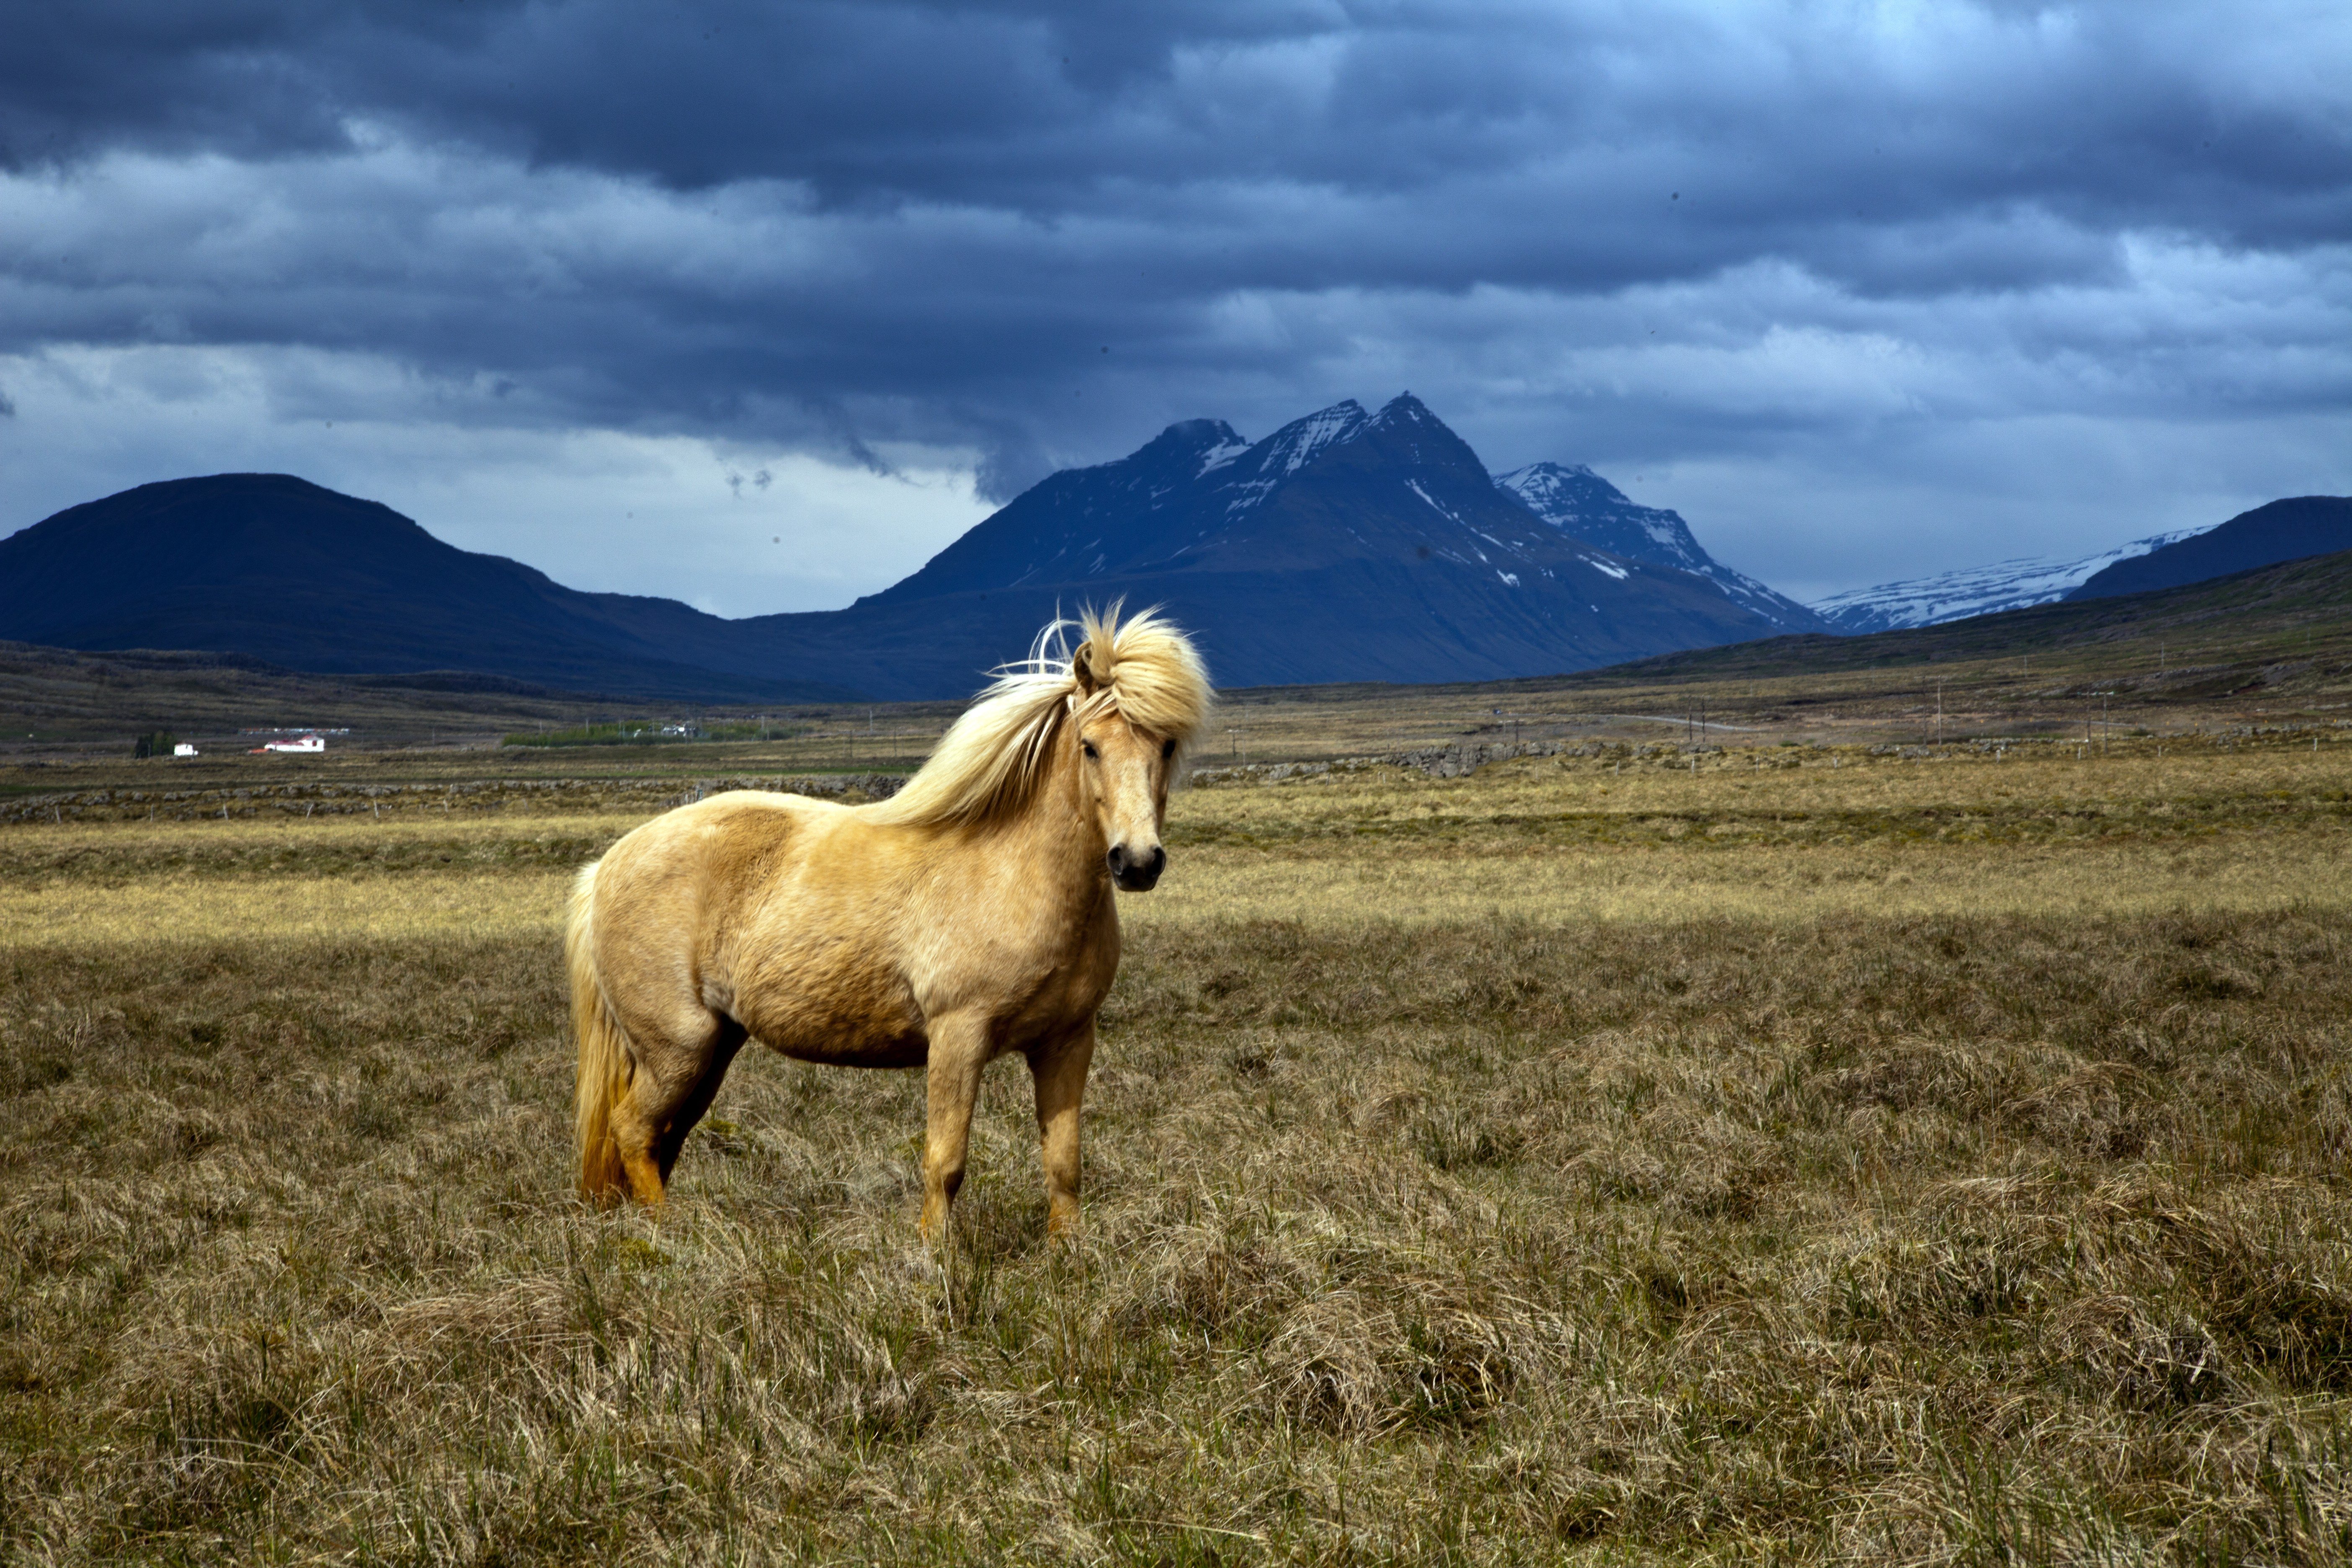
1810, 1155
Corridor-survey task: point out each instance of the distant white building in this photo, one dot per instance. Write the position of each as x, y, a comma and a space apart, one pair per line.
299, 743
184, 750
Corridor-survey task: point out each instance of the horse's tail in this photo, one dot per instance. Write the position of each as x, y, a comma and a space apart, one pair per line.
605, 1066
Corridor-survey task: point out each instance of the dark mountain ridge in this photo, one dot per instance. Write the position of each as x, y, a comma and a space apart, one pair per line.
2279, 531
1347, 545
276, 568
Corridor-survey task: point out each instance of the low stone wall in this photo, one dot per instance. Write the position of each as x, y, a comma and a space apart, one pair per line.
1452, 762
482, 796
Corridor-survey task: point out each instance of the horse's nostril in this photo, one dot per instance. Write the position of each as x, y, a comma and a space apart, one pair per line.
1134, 870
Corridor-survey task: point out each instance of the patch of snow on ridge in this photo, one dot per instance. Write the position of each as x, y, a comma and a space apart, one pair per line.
1510, 579
1290, 448
1218, 456
1317, 431
1541, 484
1602, 566
1414, 485
2013, 584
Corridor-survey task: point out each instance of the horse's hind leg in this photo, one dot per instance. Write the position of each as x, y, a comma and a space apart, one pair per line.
672, 1087
691, 1107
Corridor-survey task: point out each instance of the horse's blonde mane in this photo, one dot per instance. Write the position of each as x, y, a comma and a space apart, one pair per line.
992, 759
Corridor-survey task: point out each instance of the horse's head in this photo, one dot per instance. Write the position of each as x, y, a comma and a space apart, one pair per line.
1115, 714
1124, 767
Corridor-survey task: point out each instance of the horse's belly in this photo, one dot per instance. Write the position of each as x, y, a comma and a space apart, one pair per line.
911, 1052
846, 1016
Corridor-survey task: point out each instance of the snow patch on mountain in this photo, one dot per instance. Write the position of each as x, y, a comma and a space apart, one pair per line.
1293, 446
1306, 436
2012, 585
1218, 456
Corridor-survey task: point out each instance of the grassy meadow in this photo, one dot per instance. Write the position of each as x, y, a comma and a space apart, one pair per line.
1809, 1154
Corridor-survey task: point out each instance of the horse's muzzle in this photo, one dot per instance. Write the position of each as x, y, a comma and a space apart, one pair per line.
1136, 873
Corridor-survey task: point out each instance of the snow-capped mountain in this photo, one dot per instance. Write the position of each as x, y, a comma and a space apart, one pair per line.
1976, 590
1575, 499
1348, 545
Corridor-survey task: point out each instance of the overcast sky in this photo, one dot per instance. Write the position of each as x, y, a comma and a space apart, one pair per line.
758, 304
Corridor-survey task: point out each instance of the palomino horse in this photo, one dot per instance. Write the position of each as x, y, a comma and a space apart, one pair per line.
968, 916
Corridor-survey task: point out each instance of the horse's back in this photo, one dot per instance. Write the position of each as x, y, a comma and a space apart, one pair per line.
727, 837
669, 888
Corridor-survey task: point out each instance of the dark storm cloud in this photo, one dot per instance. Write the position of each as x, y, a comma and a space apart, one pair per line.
1039, 231
1773, 121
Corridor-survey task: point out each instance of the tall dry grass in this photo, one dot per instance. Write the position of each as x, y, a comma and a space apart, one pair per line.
1841, 1234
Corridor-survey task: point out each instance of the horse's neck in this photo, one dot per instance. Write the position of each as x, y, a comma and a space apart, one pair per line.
1060, 843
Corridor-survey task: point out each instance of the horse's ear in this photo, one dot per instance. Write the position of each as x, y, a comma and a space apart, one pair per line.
1082, 669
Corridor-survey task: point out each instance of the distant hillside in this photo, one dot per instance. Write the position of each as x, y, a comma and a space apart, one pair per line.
276, 568
1575, 499
2281, 530
1976, 590
2299, 608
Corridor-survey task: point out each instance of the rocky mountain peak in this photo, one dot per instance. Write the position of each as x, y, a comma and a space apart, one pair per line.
1579, 502
1193, 445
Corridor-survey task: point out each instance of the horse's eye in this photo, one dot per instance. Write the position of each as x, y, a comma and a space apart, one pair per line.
1167, 750
1091, 754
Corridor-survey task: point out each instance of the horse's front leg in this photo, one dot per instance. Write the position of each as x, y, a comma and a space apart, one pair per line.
1058, 1070
958, 1049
